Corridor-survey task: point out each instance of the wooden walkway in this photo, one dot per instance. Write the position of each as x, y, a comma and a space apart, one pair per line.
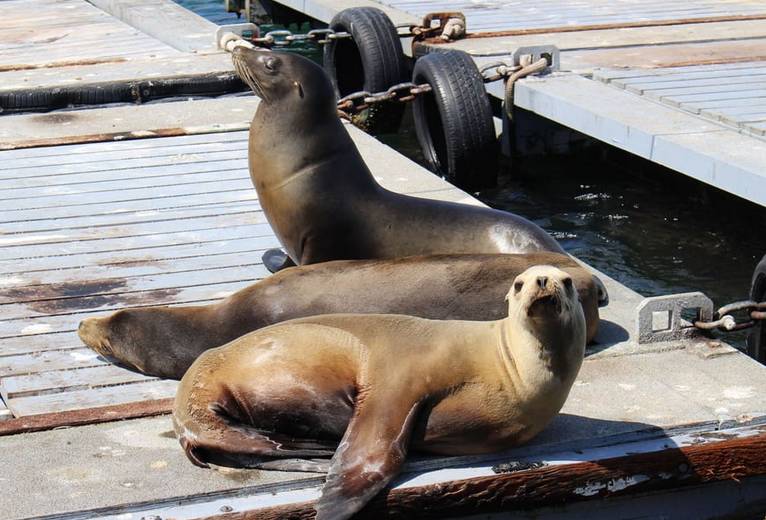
95, 228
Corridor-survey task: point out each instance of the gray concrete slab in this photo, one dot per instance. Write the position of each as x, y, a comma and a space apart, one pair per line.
111, 464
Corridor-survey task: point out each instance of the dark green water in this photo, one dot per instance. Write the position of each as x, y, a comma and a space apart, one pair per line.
651, 228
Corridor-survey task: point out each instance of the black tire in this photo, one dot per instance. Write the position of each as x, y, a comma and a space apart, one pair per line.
756, 341
454, 121
372, 61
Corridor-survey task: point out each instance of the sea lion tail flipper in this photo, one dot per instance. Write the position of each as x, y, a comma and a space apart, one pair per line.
211, 434
369, 456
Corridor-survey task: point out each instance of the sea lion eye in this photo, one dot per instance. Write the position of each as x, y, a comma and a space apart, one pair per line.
568, 283
517, 286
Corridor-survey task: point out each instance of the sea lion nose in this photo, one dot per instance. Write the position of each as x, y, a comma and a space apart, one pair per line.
542, 281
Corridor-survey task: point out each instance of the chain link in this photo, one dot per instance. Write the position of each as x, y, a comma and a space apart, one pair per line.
402, 92
725, 322
283, 37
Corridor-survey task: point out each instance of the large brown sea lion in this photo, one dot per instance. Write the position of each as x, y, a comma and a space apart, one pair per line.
321, 199
381, 384
165, 341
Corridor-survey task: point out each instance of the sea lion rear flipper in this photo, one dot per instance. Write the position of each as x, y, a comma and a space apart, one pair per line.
369, 456
275, 260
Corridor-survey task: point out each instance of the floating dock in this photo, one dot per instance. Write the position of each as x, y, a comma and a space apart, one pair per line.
679, 84
127, 206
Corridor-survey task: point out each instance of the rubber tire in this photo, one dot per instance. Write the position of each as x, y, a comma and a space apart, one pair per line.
454, 122
372, 61
756, 340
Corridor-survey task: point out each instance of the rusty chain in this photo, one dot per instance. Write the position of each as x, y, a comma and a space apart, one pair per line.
284, 37
725, 322
358, 101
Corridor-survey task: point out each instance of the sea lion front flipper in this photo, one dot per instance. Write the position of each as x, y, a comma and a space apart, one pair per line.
369, 456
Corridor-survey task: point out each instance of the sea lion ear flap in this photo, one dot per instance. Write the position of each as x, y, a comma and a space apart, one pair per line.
370, 455
299, 87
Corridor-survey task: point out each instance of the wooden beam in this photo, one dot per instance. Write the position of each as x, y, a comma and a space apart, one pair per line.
731, 460
119, 412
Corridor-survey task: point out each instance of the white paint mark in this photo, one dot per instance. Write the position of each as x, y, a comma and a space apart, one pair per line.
11, 280
739, 392
79, 356
616, 484
39, 328
721, 410
626, 386
681, 388
30, 239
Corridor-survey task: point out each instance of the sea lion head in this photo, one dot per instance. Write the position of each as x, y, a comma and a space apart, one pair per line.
284, 78
105, 335
139, 339
542, 293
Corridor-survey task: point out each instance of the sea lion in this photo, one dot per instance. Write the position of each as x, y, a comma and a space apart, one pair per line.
165, 341
381, 384
321, 199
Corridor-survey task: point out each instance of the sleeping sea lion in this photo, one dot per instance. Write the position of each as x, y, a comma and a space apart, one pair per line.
165, 341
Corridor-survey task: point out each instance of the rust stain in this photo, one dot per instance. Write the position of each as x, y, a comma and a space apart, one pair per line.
54, 117
102, 414
607, 26
131, 262
93, 138
74, 296
57, 64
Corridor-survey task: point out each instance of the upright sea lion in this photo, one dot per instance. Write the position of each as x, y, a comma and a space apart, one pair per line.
165, 341
382, 383
321, 199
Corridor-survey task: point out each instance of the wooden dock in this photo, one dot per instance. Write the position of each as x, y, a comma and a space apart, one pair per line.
136, 205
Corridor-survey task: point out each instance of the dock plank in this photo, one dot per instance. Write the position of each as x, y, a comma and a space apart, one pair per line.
79, 399
12, 387
132, 259
39, 40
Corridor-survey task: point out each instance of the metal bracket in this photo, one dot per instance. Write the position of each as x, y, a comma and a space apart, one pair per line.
660, 318
243, 30
550, 52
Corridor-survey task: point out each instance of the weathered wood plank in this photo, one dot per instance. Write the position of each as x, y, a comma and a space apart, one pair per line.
123, 219
166, 21
44, 167
670, 468
622, 75
127, 147
119, 261
47, 299
47, 361
62, 321
129, 243
132, 207
127, 162
96, 397
711, 82
12, 387
109, 191
9, 246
